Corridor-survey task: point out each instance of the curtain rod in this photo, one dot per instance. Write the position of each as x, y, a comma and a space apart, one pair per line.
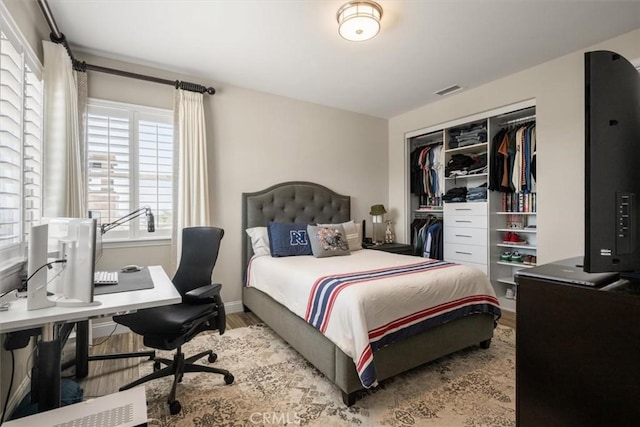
59, 38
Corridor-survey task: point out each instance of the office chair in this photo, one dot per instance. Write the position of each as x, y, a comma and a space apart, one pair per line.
169, 327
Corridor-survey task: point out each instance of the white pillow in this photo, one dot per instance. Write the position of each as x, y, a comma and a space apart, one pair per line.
259, 240
353, 231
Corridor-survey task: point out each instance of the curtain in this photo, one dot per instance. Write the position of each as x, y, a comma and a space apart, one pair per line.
191, 179
64, 162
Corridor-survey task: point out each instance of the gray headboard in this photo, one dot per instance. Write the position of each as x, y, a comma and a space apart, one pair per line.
294, 201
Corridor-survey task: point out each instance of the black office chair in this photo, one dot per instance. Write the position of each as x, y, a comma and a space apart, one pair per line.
169, 327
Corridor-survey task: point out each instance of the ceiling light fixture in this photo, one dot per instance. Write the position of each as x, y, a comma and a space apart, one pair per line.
359, 20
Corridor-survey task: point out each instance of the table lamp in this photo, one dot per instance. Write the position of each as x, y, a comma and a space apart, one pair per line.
377, 219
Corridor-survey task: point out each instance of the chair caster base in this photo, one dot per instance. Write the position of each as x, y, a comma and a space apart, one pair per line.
228, 379
175, 407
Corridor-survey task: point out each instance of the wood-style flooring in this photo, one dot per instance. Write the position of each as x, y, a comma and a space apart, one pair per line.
107, 376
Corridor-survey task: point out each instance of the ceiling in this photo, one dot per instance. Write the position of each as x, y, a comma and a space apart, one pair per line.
292, 47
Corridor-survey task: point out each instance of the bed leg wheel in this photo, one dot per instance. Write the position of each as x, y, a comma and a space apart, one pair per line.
348, 398
485, 344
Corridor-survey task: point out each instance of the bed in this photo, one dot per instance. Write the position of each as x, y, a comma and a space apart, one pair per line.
306, 202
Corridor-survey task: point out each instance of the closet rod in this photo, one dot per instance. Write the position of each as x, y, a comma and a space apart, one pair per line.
58, 37
521, 119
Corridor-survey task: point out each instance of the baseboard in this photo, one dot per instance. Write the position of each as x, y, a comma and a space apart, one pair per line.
104, 329
233, 307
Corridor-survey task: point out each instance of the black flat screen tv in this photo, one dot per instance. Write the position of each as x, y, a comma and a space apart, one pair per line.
612, 163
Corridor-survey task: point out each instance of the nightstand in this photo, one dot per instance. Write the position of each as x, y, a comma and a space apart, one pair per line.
396, 248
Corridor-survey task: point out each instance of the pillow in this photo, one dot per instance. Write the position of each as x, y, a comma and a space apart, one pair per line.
288, 239
328, 241
353, 232
259, 240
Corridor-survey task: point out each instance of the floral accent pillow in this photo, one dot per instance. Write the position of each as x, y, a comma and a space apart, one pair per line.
328, 240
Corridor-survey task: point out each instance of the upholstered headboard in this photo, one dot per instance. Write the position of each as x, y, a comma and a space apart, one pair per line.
294, 201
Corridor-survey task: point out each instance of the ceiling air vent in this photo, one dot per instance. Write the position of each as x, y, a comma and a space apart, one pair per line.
448, 90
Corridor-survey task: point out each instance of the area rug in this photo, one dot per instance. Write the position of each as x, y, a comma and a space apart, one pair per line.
274, 385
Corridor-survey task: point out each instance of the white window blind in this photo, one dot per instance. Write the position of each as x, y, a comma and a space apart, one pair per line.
20, 141
130, 165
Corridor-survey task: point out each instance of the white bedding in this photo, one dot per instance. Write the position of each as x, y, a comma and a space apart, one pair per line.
371, 298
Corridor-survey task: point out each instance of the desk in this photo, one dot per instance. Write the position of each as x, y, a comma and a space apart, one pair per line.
18, 318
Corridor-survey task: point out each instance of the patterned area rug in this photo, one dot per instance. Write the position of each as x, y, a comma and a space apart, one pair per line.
274, 385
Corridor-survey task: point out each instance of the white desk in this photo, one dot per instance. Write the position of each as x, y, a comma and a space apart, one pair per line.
163, 293
48, 320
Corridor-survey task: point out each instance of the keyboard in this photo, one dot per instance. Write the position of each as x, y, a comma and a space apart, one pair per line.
101, 278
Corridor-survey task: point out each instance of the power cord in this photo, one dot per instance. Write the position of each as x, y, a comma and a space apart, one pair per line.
49, 265
107, 338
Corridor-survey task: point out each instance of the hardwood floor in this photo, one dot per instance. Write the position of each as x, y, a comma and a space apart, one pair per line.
508, 319
107, 376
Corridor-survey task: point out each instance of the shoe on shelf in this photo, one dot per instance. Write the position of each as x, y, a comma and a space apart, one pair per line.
516, 239
516, 257
526, 259
506, 256
534, 260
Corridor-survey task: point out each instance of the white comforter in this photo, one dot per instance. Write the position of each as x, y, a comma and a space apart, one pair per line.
371, 298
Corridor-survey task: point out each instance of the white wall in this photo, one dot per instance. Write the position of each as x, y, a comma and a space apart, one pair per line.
558, 88
256, 140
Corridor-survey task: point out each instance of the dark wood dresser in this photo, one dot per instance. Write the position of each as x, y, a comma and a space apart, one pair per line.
577, 355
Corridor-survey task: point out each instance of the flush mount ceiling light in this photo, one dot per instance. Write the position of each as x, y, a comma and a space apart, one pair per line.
359, 20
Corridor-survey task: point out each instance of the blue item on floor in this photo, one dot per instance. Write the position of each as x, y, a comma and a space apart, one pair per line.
70, 393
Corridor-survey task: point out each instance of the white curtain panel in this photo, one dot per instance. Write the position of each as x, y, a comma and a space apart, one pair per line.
64, 165
191, 207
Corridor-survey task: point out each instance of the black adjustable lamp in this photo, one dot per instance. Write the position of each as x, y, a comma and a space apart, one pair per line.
146, 210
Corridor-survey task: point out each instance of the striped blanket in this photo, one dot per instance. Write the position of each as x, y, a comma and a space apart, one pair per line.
370, 299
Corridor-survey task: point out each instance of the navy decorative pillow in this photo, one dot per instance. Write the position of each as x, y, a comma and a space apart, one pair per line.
288, 239
328, 240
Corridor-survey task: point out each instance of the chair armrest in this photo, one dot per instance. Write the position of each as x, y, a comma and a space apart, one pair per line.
205, 292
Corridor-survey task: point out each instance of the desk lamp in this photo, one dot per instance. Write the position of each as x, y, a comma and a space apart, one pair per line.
146, 210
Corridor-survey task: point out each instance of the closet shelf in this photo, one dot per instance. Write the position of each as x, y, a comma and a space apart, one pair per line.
516, 213
518, 230
506, 245
452, 178
468, 148
507, 280
515, 264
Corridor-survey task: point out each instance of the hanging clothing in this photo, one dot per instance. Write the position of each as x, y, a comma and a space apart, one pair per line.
425, 170
512, 164
422, 241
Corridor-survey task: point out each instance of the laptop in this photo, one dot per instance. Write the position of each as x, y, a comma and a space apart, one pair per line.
569, 271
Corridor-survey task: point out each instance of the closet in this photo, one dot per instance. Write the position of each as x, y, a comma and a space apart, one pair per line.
475, 178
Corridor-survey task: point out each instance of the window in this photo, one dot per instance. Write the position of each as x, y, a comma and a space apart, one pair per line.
130, 165
20, 141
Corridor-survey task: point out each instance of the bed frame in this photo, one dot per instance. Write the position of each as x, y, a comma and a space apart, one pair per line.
306, 202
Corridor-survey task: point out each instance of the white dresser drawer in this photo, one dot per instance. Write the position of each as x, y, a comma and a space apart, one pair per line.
466, 235
474, 221
469, 208
465, 253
